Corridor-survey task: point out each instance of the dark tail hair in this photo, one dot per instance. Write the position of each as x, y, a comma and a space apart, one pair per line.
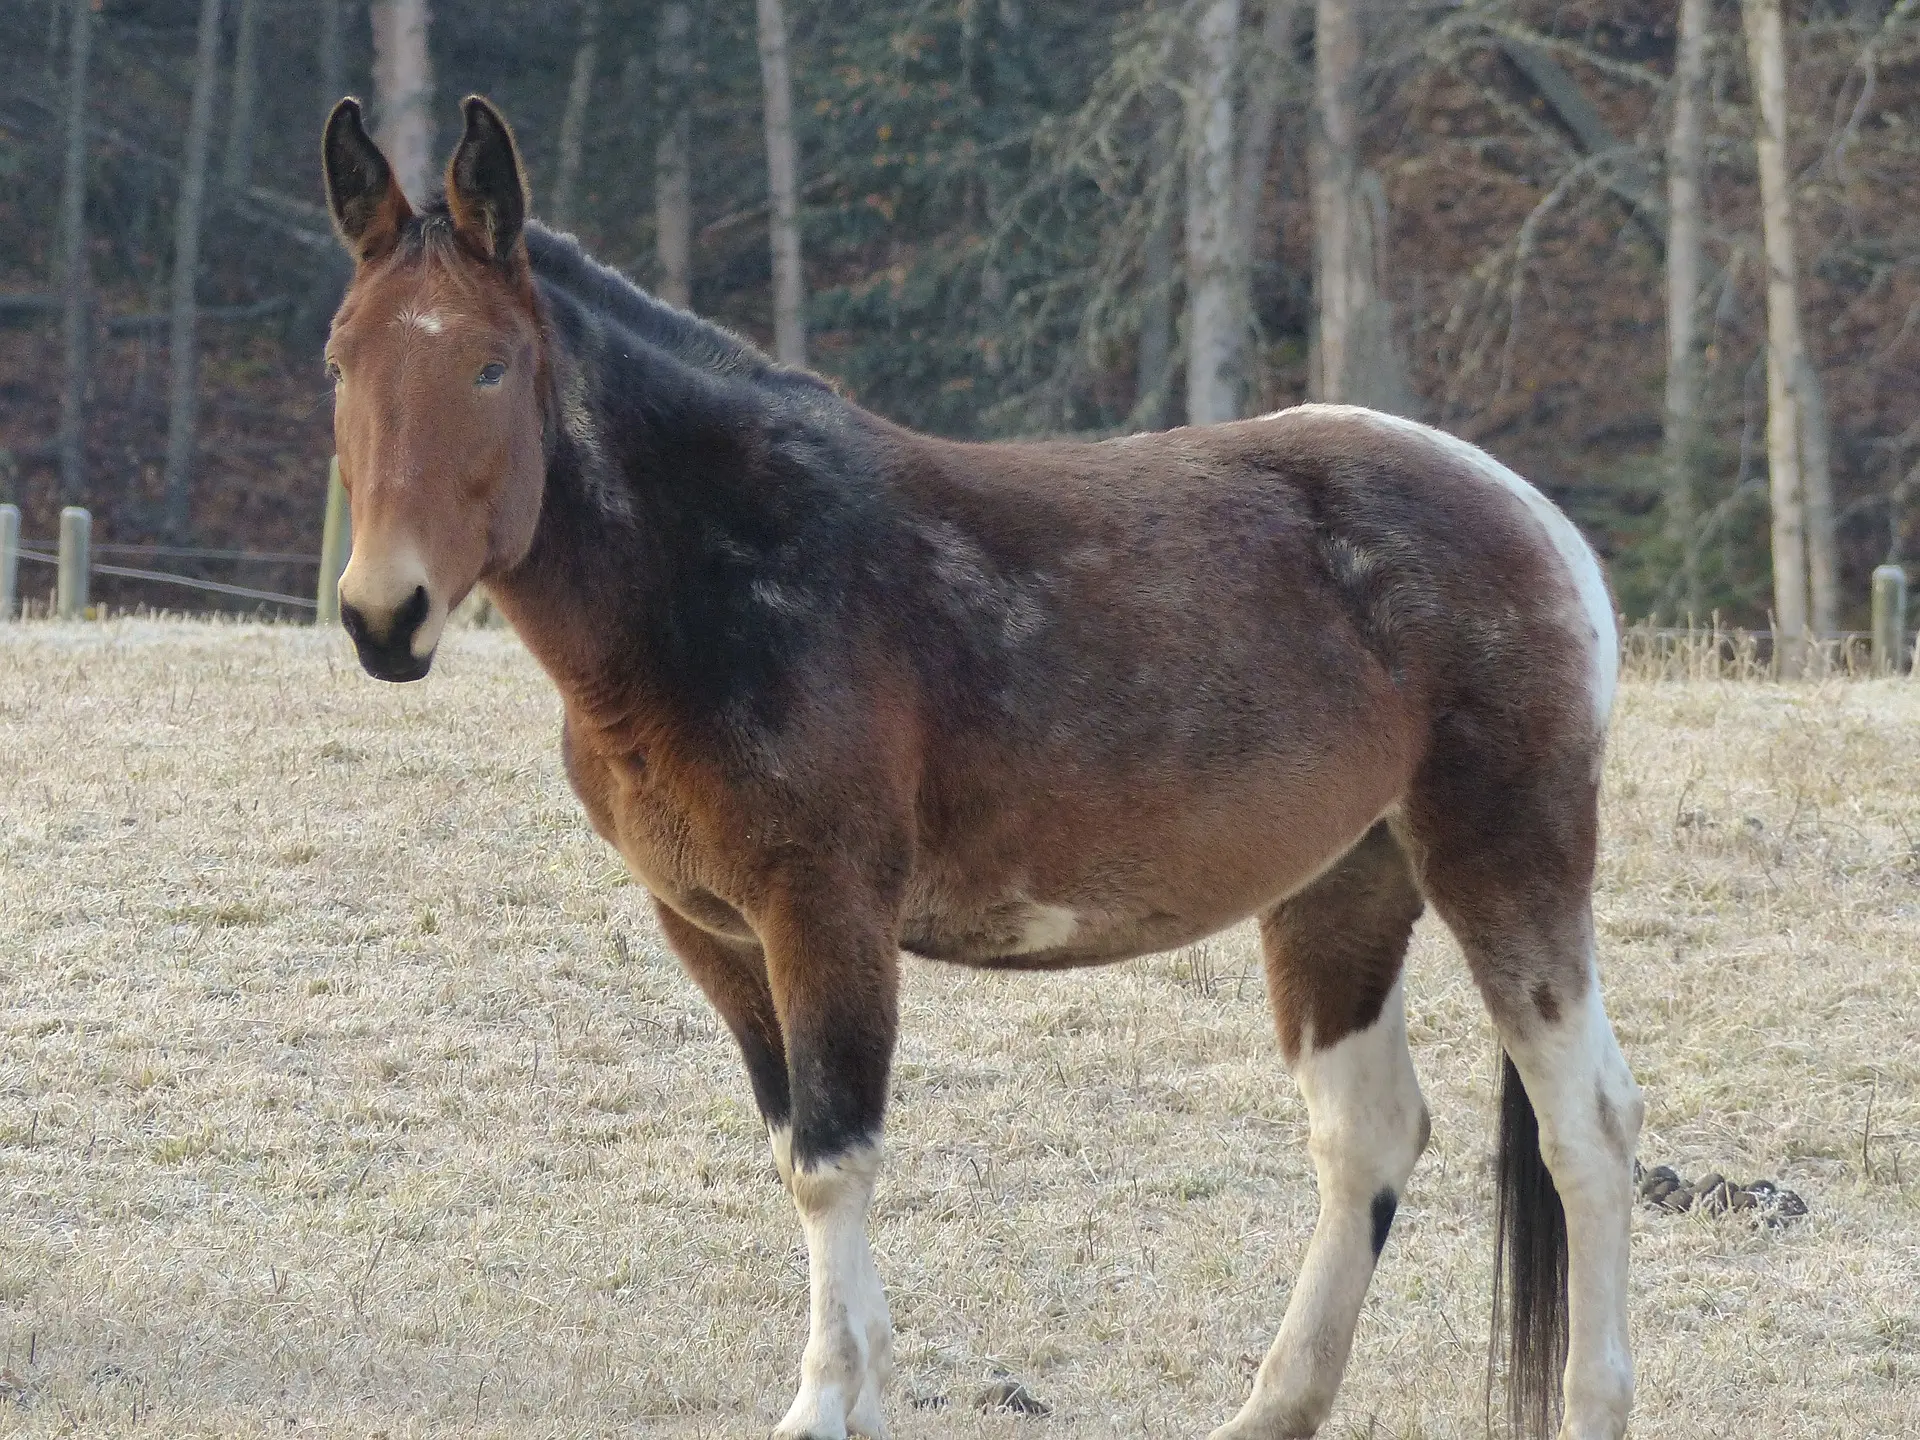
1530, 1268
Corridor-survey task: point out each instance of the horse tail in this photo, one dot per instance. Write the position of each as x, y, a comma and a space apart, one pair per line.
1530, 1268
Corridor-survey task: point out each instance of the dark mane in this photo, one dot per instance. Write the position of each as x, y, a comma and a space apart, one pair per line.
560, 261
428, 234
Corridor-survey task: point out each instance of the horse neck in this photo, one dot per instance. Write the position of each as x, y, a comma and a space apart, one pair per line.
596, 590
561, 600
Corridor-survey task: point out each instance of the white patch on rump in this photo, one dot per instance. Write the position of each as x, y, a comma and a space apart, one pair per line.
1583, 567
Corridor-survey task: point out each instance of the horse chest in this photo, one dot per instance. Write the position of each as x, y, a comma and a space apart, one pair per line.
656, 832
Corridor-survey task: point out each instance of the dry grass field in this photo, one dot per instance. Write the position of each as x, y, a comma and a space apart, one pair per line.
346, 1089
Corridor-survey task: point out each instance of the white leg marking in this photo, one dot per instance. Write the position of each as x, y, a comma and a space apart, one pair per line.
1589, 1110
848, 1361
1368, 1127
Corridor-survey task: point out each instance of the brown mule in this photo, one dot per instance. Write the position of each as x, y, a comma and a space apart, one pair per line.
836, 690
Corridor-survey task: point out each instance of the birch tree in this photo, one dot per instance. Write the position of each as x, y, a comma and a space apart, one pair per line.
1215, 326
75, 327
1153, 376
573, 122
331, 60
789, 284
1685, 162
672, 158
1766, 61
1816, 476
1336, 50
1357, 360
236, 170
403, 91
183, 357
1268, 66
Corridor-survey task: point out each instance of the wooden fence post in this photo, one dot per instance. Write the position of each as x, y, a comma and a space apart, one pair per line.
1889, 619
9, 560
336, 540
76, 558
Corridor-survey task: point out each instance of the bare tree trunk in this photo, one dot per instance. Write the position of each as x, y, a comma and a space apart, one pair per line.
1215, 329
1153, 378
1816, 478
1357, 357
672, 158
1336, 48
1766, 60
573, 124
1264, 86
73, 247
143, 367
182, 347
789, 284
1685, 162
402, 92
237, 170
331, 60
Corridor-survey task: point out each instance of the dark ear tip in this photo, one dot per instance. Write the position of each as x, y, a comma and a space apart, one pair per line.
479, 110
345, 111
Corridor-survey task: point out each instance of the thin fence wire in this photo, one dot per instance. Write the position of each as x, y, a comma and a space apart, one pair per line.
190, 552
163, 577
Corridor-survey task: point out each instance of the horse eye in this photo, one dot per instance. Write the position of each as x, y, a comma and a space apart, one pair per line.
333, 371
491, 375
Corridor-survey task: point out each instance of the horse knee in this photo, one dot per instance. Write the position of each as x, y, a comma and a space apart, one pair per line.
1368, 1122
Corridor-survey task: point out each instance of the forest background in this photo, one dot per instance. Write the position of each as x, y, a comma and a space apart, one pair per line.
1538, 225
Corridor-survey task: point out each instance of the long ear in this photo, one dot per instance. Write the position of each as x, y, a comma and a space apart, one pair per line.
369, 209
486, 188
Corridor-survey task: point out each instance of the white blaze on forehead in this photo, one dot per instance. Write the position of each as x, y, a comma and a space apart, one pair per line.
427, 322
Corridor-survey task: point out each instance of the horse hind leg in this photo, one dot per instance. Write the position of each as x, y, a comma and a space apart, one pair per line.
1334, 955
1507, 860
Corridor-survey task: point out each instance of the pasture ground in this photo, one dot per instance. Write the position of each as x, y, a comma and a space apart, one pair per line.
346, 1089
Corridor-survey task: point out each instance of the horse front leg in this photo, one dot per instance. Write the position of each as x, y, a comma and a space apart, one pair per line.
833, 965
732, 974
1334, 960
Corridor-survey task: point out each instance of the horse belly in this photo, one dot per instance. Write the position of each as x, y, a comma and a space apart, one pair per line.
1017, 933
1083, 900
1048, 944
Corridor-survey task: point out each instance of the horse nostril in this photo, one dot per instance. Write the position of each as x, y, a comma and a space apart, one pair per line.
409, 617
386, 653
